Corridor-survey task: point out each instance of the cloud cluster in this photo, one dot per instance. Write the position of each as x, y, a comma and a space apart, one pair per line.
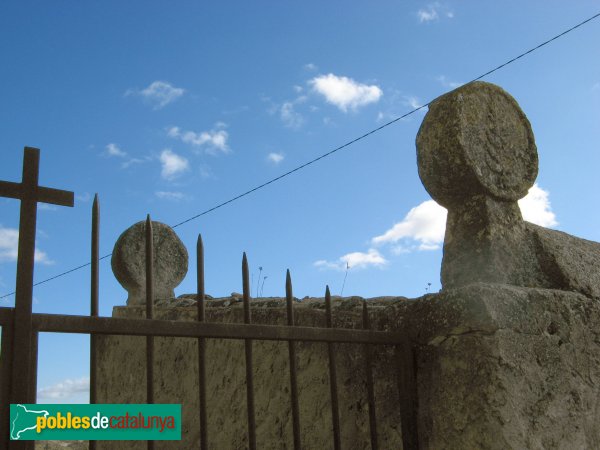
425, 223
288, 114
214, 141
113, 150
158, 93
535, 207
9, 247
172, 164
355, 260
65, 389
275, 158
344, 92
433, 12
424, 226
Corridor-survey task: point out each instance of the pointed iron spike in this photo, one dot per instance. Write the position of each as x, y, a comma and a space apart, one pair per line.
200, 292
288, 282
289, 299
245, 276
245, 263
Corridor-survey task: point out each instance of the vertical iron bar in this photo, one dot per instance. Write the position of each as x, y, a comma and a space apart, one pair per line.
249, 366
21, 370
335, 413
94, 293
5, 376
149, 315
201, 344
293, 369
407, 390
35, 336
370, 390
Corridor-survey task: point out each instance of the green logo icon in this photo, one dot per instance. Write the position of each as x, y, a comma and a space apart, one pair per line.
141, 422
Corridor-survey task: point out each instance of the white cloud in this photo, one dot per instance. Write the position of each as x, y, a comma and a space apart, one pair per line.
425, 223
167, 195
447, 83
428, 14
114, 150
158, 93
275, 158
66, 388
433, 12
596, 87
172, 164
535, 207
355, 260
424, 226
9, 247
289, 116
310, 66
344, 92
213, 141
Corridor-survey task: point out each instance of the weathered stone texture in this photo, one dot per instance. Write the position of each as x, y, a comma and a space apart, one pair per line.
498, 367
477, 156
476, 140
502, 367
129, 262
122, 371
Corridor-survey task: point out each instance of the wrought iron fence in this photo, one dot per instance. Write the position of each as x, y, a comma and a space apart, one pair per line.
21, 328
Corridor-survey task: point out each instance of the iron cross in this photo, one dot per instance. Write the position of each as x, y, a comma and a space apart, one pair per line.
29, 193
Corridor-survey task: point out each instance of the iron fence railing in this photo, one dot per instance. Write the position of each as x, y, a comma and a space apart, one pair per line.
21, 328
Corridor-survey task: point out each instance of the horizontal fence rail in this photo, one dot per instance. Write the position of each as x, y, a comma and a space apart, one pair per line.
59, 323
21, 328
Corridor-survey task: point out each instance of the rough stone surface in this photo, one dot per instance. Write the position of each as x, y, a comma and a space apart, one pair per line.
477, 156
498, 367
476, 140
502, 367
122, 371
129, 263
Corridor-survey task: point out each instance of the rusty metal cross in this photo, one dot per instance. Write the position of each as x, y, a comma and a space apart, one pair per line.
30, 193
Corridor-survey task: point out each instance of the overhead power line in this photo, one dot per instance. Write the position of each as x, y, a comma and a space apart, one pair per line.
335, 150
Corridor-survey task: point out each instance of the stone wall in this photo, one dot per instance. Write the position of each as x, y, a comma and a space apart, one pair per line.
122, 373
498, 367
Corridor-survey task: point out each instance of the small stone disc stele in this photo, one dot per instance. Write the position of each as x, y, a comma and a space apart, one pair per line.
129, 262
476, 140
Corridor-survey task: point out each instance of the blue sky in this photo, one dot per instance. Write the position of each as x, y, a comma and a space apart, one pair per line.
170, 109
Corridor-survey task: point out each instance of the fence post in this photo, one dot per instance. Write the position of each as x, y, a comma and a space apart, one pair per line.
249, 364
149, 315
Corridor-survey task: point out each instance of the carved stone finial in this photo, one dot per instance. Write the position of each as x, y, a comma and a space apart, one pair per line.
129, 266
476, 140
477, 156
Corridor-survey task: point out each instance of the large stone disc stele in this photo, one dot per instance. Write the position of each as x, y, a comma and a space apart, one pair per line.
476, 140
129, 261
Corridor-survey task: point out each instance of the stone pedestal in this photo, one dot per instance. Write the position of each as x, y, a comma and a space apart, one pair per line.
502, 367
